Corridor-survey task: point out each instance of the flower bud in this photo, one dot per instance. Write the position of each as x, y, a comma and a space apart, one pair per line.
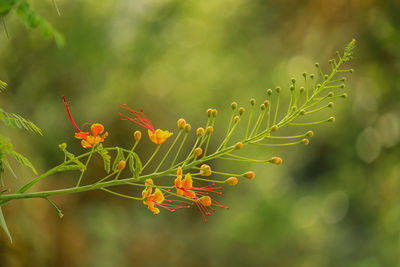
262, 107
137, 135
62, 146
188, 127
302, 89
278, 89
276, 160
330, 104
210, 130
291, 88
310, 133
181, 124
214, 113
331, 119
302, 112
304, 74
121, 165
274, 128
232, 181
205, 170
344, 95
331, 94
200, 131
269, 92
312, 76
198, 151
249, 175
305, 141
266, 103
252, 101
241, 111
326, 77
209, 112
293, 80
236, 119
238, 145
234, 105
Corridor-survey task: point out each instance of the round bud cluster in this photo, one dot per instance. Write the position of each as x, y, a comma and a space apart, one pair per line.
181, 124
249, 175
137, 135
232, 181
241, 111
198, 151
276, 160
238, 145
200, 131
205, 170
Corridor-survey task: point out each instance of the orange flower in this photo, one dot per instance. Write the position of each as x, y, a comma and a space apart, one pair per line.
201, 195
182, 186
156, 136
157, 198
88, 140
150, 199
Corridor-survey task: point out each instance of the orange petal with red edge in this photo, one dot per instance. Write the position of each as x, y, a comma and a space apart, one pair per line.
81, 135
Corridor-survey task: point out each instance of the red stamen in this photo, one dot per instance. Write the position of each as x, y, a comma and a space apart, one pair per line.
140, 119
69, 113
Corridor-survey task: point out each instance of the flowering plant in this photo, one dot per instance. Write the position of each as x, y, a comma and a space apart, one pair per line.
193, 182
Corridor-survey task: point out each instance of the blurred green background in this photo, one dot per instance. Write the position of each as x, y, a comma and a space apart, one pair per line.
333, 203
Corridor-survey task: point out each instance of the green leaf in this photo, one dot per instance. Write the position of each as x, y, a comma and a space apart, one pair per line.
3, 85
4, 225
33, 20
15, 120
23, 160
7, 164
138, 165
106, 158
6, 6
118, 158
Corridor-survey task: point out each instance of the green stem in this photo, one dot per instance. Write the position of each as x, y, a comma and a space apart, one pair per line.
152, 156
83, 171
169, 150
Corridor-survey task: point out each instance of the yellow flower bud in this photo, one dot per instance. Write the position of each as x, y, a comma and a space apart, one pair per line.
238, 145
249, 175
241, 111
276, 160
214, 113
200, 131
232, 181
137, 135
121, 165
198, 151
188, 127
205, 170
210, 130
305, 141
181, 124
234, 105
274, 128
